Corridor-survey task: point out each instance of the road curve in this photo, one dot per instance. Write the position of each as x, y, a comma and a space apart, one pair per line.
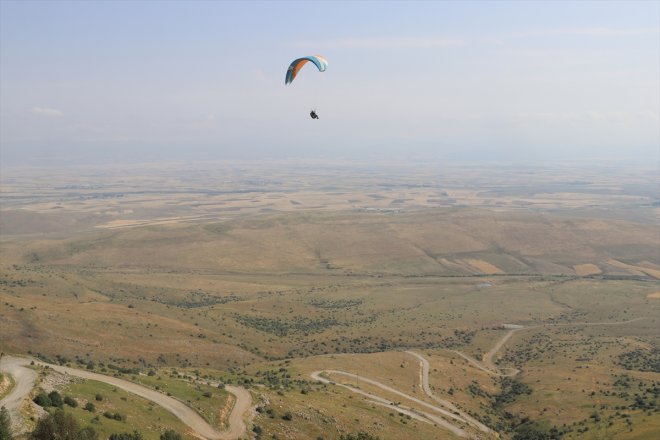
187, 415
24, 379
237, 427
424, 374
419, 415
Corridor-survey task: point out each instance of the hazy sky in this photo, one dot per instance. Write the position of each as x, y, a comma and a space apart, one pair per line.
130, 80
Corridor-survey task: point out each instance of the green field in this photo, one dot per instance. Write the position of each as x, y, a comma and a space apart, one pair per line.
136, 413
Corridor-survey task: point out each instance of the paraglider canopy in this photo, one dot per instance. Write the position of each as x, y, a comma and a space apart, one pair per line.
319, 61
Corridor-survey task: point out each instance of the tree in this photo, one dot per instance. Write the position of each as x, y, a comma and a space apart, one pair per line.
5, 424
170, 435
58, 425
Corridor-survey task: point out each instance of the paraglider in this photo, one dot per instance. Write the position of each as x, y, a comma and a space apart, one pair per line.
320, 62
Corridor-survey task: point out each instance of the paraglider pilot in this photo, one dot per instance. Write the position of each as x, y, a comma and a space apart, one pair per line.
313, 114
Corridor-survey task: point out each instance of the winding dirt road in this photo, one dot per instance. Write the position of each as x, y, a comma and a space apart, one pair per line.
424, 383
448, 409
414, 413
25, 378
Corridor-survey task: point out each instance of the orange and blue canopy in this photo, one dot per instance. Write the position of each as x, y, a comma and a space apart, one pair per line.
320, 62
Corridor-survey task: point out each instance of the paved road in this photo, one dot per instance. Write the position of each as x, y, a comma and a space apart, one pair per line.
237, 428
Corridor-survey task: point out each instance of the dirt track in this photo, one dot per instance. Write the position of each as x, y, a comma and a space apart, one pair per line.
416, 414
451, 410
424, 383
25, 378
488, 364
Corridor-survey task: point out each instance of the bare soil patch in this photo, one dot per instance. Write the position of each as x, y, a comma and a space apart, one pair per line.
484, 266
586, 269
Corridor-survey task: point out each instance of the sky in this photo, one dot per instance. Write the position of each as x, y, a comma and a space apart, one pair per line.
132, 81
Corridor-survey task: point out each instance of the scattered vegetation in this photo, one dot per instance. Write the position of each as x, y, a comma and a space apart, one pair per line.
282, 327
335, 304
359, 436
135, 435
534, 431
641, 360
170, 434
511, 389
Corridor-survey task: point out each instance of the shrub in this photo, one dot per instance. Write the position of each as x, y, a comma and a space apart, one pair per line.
42, 400
511, 389
87, 433
533, 431
170, 435
135, 435
359, 436
114, 416
5, 424
89, 406
70, 401
55, 399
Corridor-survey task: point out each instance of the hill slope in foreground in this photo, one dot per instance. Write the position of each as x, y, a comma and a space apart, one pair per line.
531, 319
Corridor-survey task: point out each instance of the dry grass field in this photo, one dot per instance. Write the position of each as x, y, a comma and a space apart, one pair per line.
586, 269
260, 275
